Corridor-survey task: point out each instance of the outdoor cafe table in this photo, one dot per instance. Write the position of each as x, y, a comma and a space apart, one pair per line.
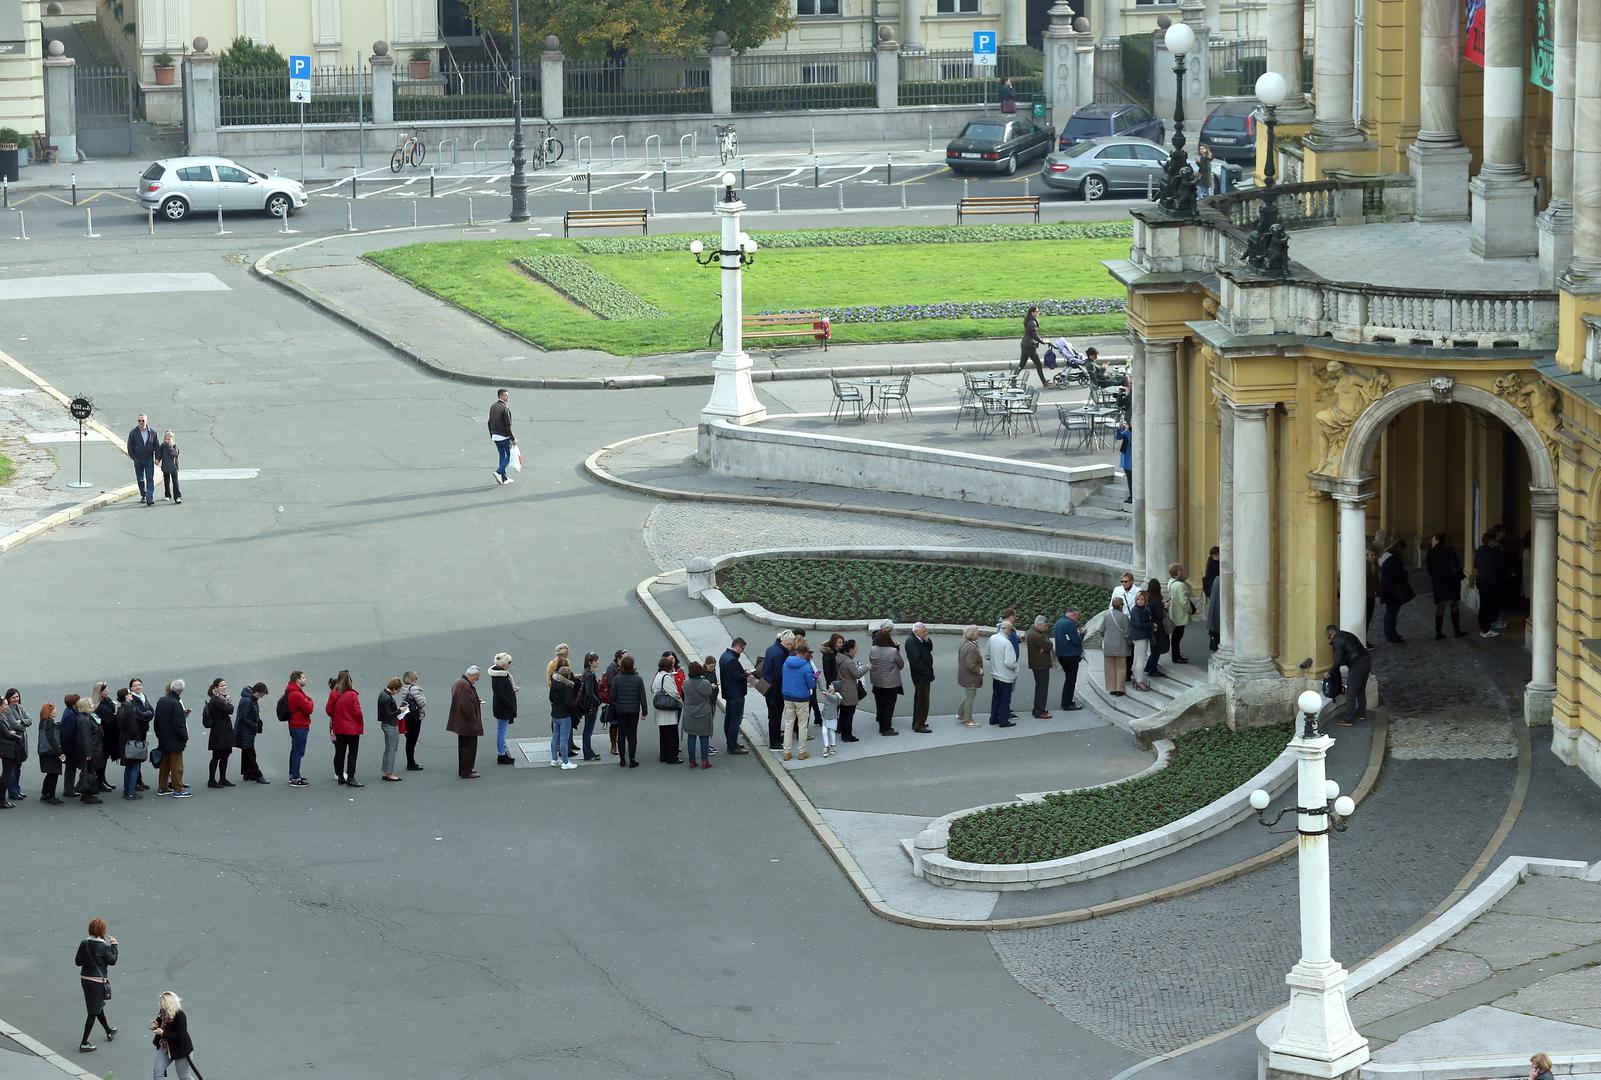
1008, 394
871, 385
1097, 414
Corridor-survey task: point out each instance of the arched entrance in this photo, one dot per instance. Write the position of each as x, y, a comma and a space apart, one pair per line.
1512, 409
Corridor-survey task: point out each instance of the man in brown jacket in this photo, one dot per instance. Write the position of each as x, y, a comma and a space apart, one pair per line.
466, 722
1041, 656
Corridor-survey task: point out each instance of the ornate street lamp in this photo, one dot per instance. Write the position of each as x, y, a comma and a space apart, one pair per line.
1319, 1039
1177, 192
733, 395
519, 181
1268, 249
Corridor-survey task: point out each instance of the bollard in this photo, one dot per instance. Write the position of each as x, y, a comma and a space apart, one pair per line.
431, 182
322, 154
150, 226
814, 140
841, 190
350, 217
89, 223
652, 202
816, 175
903, 196
964, 187
664, 177
5, 194
286, 229
352, 184
413, 216
1150, 192
74, 189
1026, 179
742, 174
778, 200
470, 220
22, 225
889, 166
220, 230
931, 138
588, 181
591, 198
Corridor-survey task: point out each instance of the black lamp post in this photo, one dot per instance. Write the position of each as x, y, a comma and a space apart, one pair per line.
1177, 193
519, 181
1268, 249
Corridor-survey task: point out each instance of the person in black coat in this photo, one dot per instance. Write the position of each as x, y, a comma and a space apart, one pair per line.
91, 742
1490, 574
172, 736
589, 703
1394, 589
503, 705
133, 726
106, 709
217, 717
627, 692
920, 665
173, 1045
96, 954
51, 753
1445, 580
70, 719
734, 684
246, 726
1353, 656
142, 443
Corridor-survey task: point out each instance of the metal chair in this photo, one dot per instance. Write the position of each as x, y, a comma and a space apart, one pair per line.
1069, 424
1025, 409
967, 403
995, 413
847, 395
895, 392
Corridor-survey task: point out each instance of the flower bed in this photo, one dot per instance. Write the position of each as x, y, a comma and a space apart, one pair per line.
849, 589
588, 287
873, 237
963, 309
1205, 766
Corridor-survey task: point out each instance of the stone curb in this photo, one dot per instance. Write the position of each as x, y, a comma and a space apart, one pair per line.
869, 894
599, 472
1477, 1068
44, 1053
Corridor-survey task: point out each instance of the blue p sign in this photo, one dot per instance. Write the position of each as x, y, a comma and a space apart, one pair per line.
983, 41
300, 67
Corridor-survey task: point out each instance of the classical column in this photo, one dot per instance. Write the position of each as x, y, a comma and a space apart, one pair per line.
1225, 534
1107, 21
1161, 458
1503, 194
1542, 689
1013, 31
912, 25
720, 74
1439, 161
1556, 223
1586, 266
1286, 47
1137, 423
1253, 542
1333, 69
1354, 562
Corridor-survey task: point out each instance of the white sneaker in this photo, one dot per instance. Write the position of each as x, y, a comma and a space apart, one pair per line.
508, 480
1490, 633
554, 764
1499, 624
497, 477
568, 765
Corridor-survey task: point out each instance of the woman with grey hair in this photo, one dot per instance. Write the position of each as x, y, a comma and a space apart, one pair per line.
503, 704
412, 699
848, 672
466, 722
1116, 646
969, 674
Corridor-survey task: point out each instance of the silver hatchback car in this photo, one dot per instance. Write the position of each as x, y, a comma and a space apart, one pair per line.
178, 187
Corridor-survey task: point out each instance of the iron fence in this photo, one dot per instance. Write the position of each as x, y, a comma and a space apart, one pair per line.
1135, 67
1236, 65
950, 78
105, 100
261, 96
637, 86
465, 92
1108, 82
793, 82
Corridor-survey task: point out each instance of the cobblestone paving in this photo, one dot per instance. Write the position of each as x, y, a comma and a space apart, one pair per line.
677, 531
1160, 977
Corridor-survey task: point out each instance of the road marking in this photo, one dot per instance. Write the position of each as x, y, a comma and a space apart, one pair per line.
709, 180
381, 191
220, 474
40, 195
862, 171
44, 438
77, 285
631, 180
776, 180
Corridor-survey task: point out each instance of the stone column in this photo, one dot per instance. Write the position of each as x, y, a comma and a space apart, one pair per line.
1354, 562
1286, 47
1503, 194
1013, 28
383, 90
1556, 223
887, 69
1107, 20
1161, 458
1253, 543
1586, 266
1333, 69
1438, 160
1198, 69
912, 24
205, 105
61, 101
1225, 535
550, 81
1063, 60
1541, 692
721, 75
1138, 453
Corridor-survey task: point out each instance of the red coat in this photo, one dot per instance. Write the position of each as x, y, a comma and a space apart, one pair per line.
300, 707
345, 711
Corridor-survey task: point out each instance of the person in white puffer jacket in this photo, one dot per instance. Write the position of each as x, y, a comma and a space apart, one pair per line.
1003, 665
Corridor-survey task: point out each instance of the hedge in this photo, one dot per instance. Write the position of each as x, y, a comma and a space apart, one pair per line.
903, 591
904, 234
1205, 766
589, 288
801, 98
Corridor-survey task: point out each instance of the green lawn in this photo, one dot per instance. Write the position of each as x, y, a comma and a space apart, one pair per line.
7, 469
482, 276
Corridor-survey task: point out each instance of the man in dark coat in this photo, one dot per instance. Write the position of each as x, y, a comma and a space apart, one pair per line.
500, 433
1490, 573
172, 736
1352, 655
773, 674
734, 684
920, 664
246, 726
466, 722
1445, 581
1068, 642
1394, 589
142, 444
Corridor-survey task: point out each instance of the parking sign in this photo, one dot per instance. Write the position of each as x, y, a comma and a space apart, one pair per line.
300, 78
984, 48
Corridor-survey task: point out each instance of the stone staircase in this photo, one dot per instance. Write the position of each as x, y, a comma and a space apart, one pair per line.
1137, 705
1107, 503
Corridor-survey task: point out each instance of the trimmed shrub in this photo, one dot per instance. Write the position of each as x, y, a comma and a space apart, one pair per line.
588, 287
904, 234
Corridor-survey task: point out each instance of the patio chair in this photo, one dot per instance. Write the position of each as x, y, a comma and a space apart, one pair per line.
847, 395
1025, 410
995, 414
967, 403
895, 392
1068, 425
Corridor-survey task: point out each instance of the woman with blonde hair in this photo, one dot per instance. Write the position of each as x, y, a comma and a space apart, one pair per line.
503, 704
1540, 1066
173, 1045
564, 654
969, 674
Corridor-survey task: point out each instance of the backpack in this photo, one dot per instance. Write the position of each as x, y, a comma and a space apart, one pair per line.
283, 708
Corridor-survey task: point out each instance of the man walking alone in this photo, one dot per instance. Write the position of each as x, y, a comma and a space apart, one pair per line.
142, 444
500, 434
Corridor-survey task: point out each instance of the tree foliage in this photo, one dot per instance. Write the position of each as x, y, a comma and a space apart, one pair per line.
614, 28
245, 55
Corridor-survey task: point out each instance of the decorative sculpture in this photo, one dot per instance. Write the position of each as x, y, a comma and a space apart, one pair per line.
1352, 390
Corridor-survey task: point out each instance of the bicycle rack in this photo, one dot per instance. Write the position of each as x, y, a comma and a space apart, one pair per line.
658, 139
480, 143
583, 148
440, 151
611, 151
694, 147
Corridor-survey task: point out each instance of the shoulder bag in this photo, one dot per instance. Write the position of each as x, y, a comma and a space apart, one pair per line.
136, 750
664, 700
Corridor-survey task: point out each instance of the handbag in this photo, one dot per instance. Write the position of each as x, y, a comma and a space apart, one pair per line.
1167, 625
135, 750
1333, 686
763, 686
665, 702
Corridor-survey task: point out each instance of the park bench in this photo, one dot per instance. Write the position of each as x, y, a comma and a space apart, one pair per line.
998, 204
793, 324
43, 152
604, 219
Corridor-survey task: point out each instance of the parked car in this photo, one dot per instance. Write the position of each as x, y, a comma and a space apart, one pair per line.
177, 187
1109, 121
1097, 169
998, 144
1230, 131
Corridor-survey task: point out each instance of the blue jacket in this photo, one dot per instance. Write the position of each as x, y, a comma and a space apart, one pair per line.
731, 676
799, 679
1069, 638
773, 665
69, 736
1140, 625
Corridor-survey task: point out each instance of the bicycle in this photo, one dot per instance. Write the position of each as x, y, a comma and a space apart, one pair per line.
727, 143
412, 150
547, 148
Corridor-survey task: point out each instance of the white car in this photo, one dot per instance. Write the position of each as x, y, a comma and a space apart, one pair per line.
178, 187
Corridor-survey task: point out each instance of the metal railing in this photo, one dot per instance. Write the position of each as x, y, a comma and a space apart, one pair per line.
261, 96
480, 91
1136, 67
1236, 65
651, 86
1108, 81
794, 82
949, 77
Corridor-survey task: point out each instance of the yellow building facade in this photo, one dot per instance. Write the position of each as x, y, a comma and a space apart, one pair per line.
1429, 359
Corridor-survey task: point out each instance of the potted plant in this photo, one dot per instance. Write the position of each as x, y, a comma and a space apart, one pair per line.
164, 69
420, 63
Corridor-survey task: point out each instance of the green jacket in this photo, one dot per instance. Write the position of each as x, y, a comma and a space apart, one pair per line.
1178, 601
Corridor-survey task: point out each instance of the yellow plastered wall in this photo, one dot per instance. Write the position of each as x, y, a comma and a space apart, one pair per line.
1578, 699
22, 78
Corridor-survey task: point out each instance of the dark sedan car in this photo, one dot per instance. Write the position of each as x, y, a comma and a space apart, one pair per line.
1230, 131
1110, 121
998, 144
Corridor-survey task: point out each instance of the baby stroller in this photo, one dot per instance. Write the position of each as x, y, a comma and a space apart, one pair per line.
1071, 367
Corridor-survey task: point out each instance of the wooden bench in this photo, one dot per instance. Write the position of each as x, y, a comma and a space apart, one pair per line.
43, 152
998, 204
604, 219
794, 324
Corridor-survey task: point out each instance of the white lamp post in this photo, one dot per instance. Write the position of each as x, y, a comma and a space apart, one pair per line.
733, 397
1319, 1039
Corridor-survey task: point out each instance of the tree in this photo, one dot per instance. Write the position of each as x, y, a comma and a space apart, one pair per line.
614, 28
245, 55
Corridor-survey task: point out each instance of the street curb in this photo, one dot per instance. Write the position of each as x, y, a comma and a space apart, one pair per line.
44, 1053
842, 857
594, 468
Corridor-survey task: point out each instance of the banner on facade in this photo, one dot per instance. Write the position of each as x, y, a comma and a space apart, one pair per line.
1473, 32
13, 42
1542, 54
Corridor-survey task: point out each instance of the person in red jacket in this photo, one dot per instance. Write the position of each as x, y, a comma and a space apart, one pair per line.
344, 716
295, 709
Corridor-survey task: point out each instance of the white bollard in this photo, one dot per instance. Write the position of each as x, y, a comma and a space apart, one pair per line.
287, 231
350, 217
652, 202
1026, 179
903, 196
220, 230
150, 225
470, 220
591, 198
22, 225
964, 187
778, 200
931, 138
841, 190
89, 224
413, 214
814, 140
